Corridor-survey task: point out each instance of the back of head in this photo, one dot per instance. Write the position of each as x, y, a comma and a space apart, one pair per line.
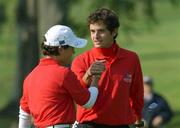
108, 17
60, 36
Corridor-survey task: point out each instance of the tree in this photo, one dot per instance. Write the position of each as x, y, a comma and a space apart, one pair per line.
32, 20
2, 14
128, 10
28, 51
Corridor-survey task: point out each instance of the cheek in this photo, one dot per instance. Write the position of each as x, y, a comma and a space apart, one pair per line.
71, 52
147, 90
68, 57
104, 36
92, 36
107, 39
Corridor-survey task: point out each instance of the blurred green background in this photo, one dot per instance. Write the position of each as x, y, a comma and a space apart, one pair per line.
154, 36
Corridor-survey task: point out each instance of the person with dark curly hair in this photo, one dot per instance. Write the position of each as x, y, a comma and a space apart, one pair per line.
120, 99
50, 90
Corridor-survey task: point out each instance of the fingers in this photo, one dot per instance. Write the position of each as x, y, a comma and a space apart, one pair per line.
96, 76
102, 61
97, 67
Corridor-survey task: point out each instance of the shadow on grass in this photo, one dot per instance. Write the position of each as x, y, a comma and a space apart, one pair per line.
9, 115
8, 123
175, 122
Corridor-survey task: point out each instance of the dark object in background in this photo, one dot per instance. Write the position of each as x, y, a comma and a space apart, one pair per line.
2, 14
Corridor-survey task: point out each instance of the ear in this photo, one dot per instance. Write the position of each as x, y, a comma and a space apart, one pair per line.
61, 50
115, 32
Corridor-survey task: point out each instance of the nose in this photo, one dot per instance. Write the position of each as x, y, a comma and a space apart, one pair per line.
96, 35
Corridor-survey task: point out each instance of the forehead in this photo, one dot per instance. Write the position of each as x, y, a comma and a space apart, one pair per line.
98, 24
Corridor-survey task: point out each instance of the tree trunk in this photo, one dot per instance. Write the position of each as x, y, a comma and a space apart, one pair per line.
27, 50
33, 19
51, 12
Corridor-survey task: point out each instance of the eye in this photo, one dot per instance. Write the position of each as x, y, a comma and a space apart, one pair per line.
92, 31
102, 30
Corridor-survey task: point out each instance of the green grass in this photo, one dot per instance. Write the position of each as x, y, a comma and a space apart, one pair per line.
158, 49
7, 68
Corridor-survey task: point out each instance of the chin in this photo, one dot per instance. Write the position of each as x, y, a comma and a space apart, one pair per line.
97, 46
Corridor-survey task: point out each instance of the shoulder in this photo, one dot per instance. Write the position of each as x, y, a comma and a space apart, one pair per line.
61, 72
83, 58
127, 52
64, 70
128, 55
159, 98
83, 55
66, 75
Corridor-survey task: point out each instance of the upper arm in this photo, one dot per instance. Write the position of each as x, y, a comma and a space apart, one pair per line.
137, 88
24, 99
78, 67
79, 93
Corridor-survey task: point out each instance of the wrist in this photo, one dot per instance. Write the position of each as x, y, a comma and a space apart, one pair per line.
94, 81
88, 73
87, 78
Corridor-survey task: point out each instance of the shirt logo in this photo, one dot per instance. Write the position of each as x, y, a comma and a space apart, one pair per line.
127, 78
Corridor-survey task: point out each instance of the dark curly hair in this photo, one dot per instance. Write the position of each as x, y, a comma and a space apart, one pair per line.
108, 17
51, 50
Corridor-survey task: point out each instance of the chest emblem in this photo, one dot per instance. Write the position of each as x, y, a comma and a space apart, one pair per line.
127, 78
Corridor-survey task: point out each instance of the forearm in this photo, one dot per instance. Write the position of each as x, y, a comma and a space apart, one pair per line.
93, 89
87, 78
94, 81
24, 119
93, 97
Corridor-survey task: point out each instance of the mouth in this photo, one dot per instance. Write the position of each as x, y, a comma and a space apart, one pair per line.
97, 41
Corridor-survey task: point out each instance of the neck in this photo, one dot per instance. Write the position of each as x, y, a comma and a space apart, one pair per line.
107, 51
58, 59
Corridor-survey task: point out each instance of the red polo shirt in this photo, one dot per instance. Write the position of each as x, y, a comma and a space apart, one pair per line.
120, 99
48, 94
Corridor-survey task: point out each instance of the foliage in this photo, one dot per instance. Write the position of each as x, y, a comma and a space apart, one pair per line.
2, 14
128, 10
